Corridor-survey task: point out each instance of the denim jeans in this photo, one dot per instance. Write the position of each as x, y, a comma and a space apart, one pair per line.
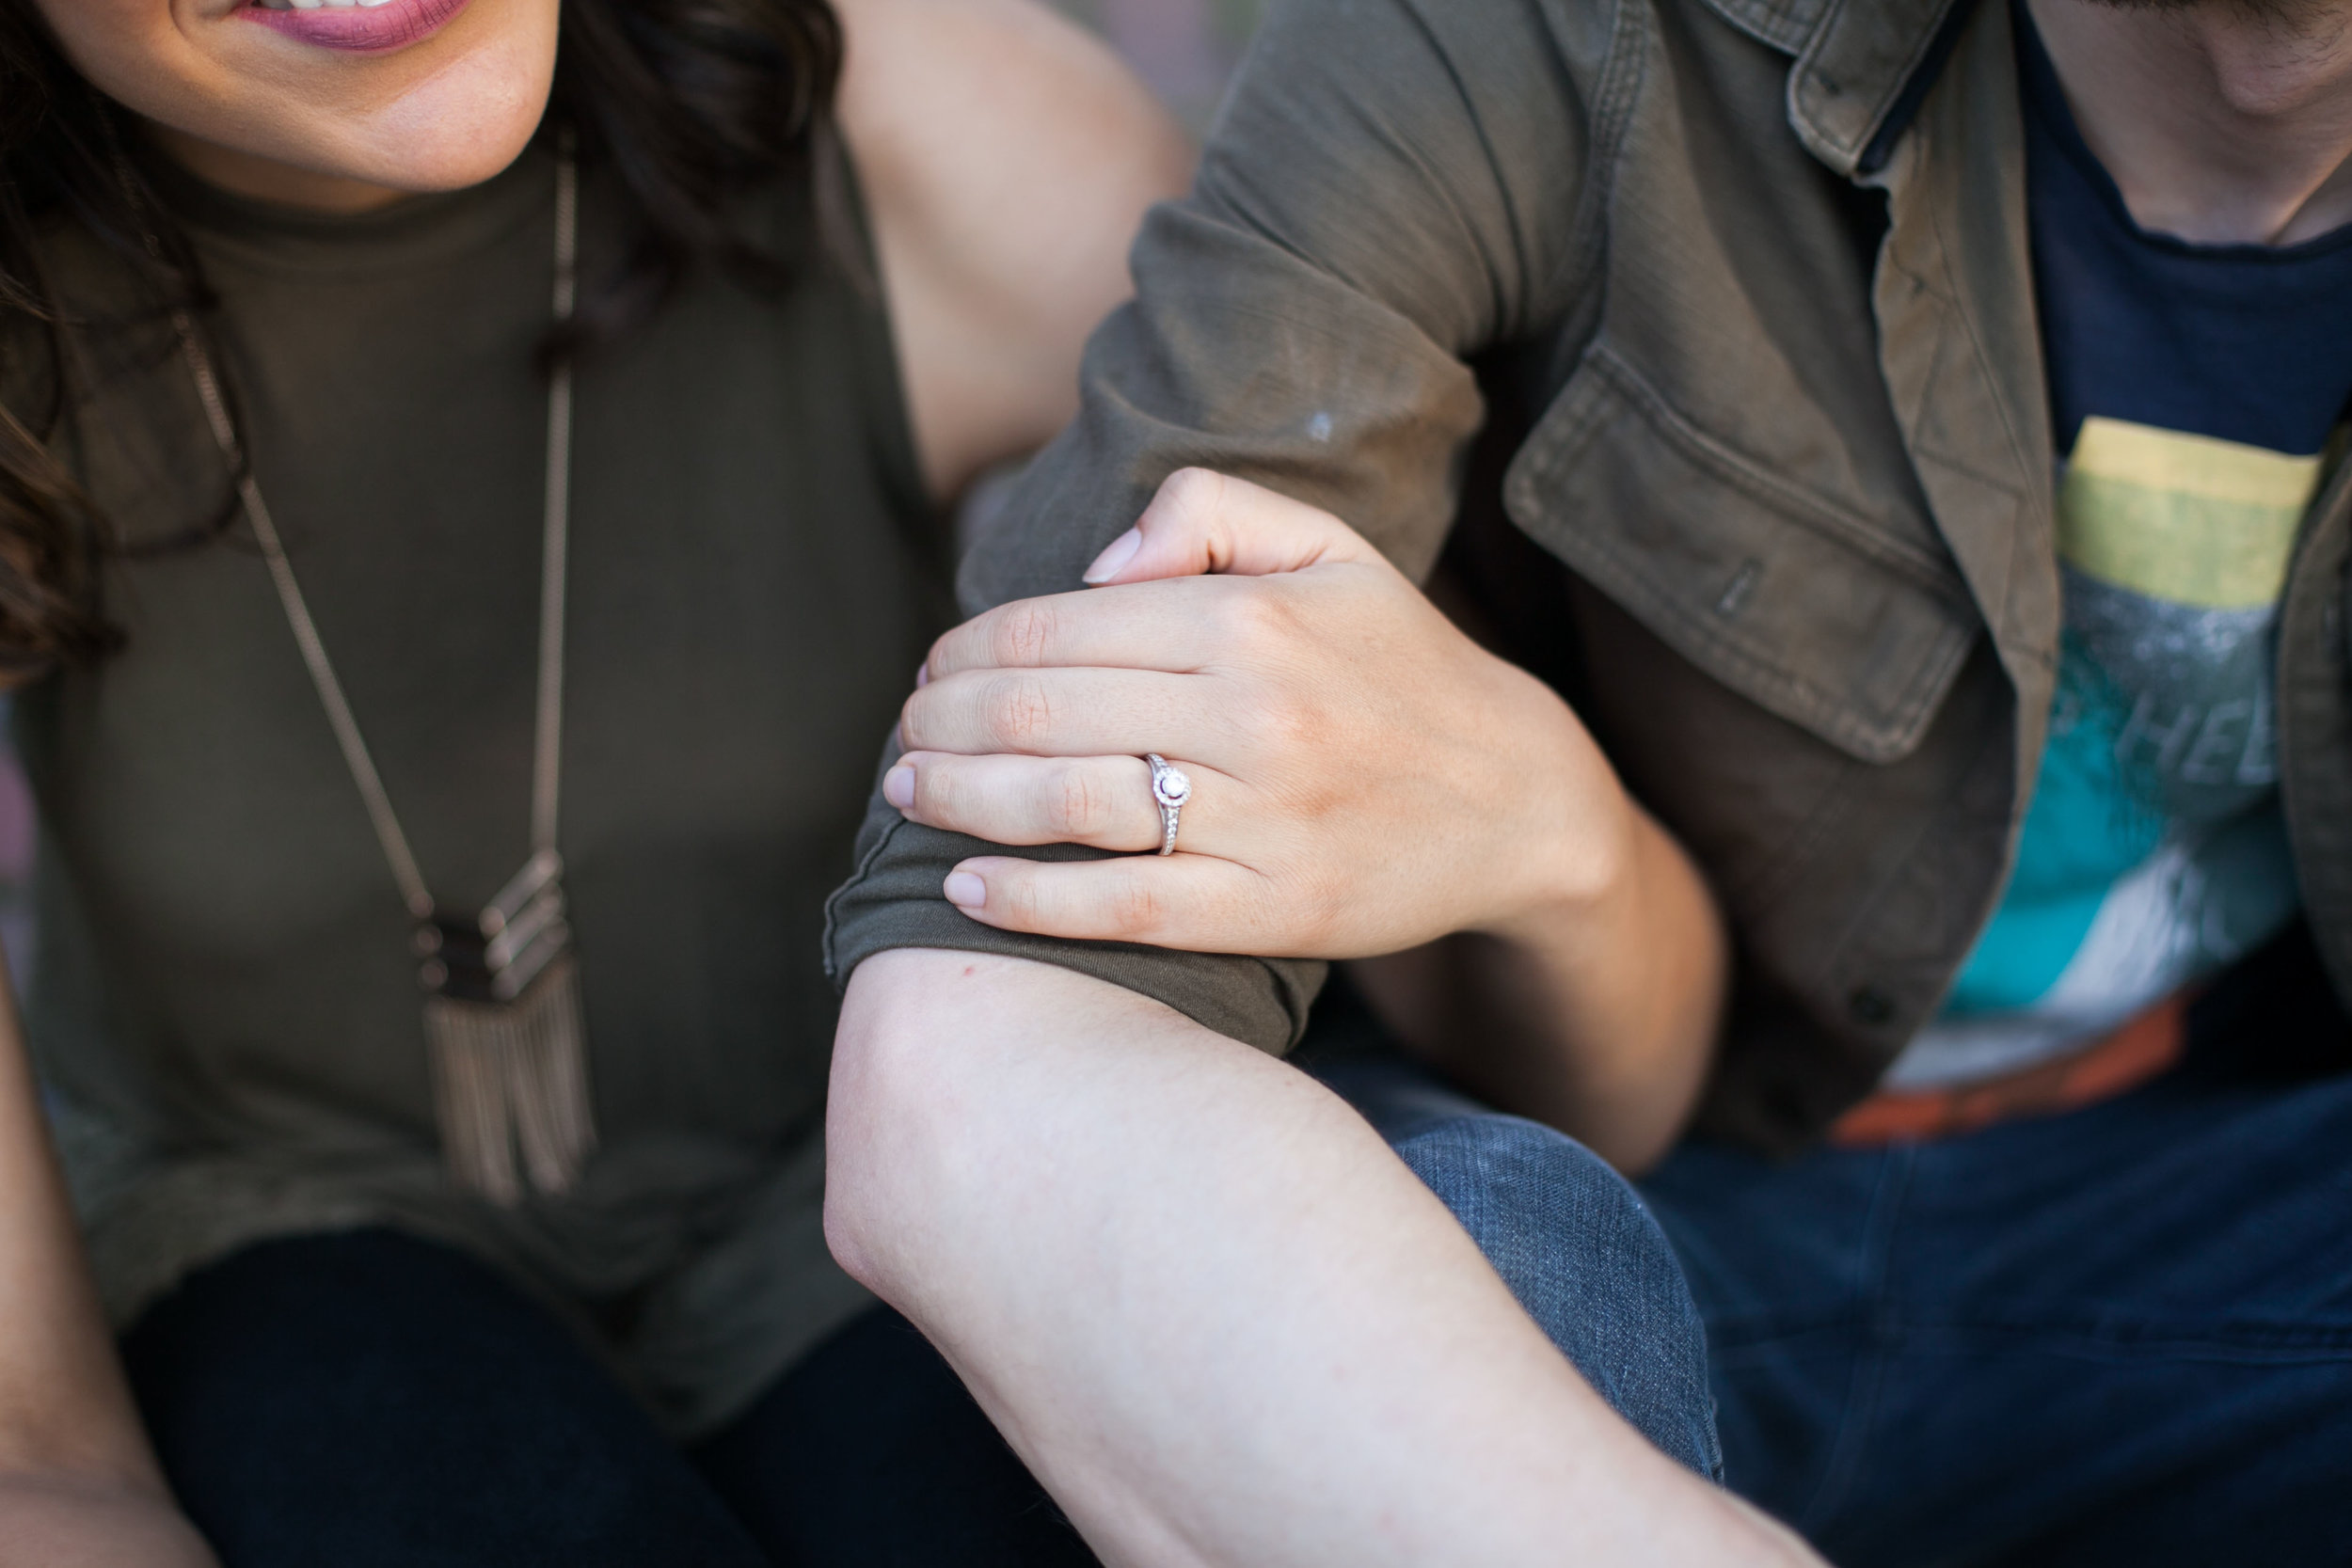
2121, 1336
370, 1399
1569, 1236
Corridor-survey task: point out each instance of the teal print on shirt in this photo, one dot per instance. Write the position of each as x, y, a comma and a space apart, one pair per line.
2094, 819
2153, 851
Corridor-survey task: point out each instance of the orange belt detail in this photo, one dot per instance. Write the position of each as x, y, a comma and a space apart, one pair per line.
2124, 1059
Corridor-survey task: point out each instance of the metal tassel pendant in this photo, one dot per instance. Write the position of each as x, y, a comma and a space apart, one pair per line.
509, 1046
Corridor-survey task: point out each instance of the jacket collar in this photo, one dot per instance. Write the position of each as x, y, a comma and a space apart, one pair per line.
1863, 67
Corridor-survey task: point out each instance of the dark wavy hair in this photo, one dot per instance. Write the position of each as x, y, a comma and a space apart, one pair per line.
692, 104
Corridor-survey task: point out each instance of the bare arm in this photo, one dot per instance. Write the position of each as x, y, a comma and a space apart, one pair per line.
78, 1483
1204, 1302
1007, 158
1330, 215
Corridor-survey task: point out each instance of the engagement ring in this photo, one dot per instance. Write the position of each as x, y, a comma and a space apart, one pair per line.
1171, 789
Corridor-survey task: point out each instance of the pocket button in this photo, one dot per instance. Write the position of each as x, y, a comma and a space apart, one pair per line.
1868, 1005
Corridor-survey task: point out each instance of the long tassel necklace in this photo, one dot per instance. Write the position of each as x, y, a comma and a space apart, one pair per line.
502, 1020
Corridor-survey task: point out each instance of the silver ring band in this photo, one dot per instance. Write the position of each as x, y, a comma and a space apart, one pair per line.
1170, 789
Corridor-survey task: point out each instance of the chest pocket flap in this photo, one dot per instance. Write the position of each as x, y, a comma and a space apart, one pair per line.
1810, 610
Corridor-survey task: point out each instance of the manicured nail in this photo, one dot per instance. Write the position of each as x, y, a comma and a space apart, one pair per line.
922, 674
966, 891
1122, 549
899, 787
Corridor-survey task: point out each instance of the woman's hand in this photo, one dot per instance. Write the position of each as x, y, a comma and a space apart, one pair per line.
1364, 777
1365, 780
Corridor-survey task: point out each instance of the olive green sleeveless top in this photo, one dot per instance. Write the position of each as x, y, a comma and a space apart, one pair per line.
223, 1004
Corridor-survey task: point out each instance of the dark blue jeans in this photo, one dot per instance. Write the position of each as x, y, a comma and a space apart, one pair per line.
1569, 1236
369, 1399
2121, 1336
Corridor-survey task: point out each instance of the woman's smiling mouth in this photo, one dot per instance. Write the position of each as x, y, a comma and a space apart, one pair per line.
359, 26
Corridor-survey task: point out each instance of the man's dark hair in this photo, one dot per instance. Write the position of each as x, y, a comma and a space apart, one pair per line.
692, 104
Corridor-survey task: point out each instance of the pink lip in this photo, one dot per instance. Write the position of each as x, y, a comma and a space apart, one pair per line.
365, 30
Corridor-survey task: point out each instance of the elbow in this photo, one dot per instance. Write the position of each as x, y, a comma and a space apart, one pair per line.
856, 1217
901, 1119
966, 1125
874, 1100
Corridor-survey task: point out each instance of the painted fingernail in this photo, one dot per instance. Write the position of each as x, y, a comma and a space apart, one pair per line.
1122, 549
922, 674
966, 891
898, 786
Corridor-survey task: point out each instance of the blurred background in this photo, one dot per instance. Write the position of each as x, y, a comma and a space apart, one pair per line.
1185, 49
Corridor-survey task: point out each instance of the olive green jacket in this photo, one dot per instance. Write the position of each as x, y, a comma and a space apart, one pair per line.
1739, 292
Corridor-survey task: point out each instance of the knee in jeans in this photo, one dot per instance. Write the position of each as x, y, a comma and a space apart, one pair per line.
1583, 1255
1539, 1199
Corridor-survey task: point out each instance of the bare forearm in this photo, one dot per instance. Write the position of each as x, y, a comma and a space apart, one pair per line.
62, 1402
78, 1483
51, 1520
1217, 1316
1597, 1016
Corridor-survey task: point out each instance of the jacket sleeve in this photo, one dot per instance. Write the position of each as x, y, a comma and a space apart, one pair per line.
1393, 186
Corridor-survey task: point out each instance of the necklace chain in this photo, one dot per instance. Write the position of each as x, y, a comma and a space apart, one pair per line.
505, 1028
547, 730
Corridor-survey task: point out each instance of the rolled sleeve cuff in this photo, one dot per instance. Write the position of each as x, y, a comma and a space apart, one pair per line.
894, 900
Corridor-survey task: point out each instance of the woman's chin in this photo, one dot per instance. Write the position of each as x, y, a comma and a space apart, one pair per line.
454, 130
275, 112
443, 163
342, 168
457, 127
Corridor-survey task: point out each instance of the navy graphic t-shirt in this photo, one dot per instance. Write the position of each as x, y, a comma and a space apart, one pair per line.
2196, 390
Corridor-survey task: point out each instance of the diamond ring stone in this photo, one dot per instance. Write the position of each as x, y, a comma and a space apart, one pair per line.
1172, 786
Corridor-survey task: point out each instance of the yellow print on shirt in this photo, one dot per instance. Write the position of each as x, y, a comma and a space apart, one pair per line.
2185, 518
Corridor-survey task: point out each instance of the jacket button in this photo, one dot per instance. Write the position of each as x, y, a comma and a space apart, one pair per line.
1870, 1005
